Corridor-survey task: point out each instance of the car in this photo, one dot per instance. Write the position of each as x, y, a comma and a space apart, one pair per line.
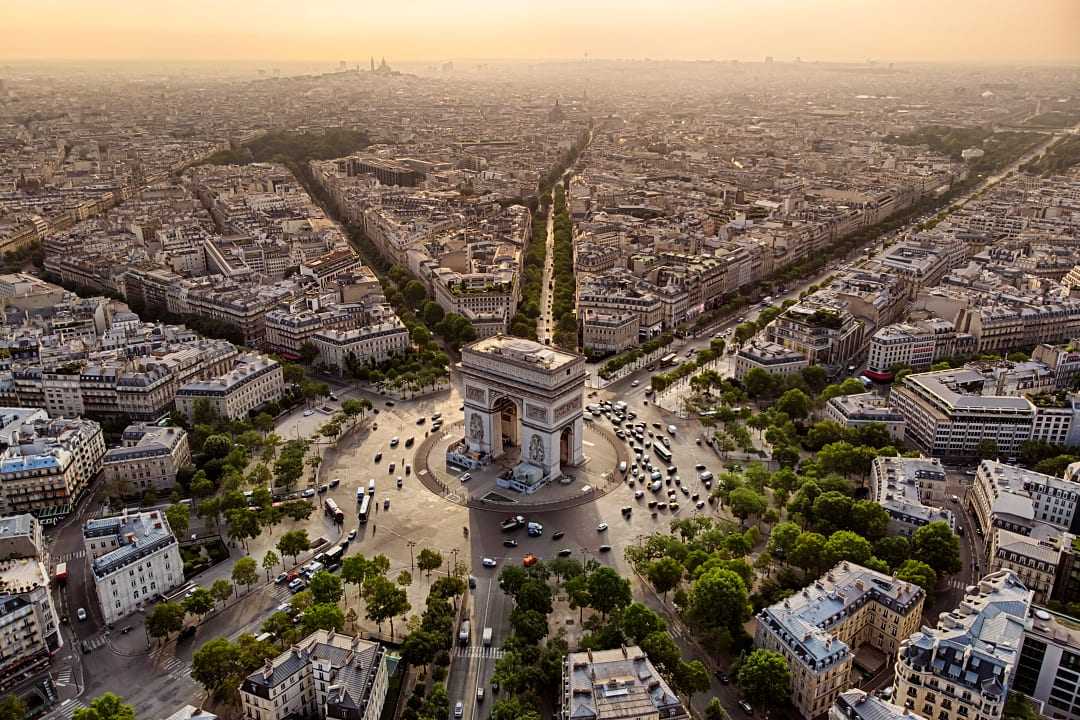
332, 396
557, 535
634, 384
421, 420
459, 710
626, 510
80, 614
394, 442
699, 467
389, 403
601, 527
534, 529
488, 562
308, 413
954, 498
125, 631
466, 477
529, 560
323, 488
400, 480
472, 581
604, 548
352, 533
308, 492
378, 456
86, 647
390, 468
479, 694
742, 703
722, 677
661, 505
657, 426
638, 494
297, 585
409, 442
281, 578
386, 504
510, 543
700, 504
335, 482
566, 552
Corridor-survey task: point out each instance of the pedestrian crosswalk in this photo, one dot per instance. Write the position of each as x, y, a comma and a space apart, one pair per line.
280, 593
956, 584
66, 709
480, 651
63, 677
68, 557
95, 642
176, 668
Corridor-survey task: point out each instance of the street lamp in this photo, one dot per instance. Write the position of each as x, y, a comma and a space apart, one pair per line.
412, 564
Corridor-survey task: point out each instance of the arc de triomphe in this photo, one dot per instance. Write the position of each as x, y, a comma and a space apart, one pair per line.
519, 392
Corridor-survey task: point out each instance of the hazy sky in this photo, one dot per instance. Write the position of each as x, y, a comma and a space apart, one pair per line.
841, 30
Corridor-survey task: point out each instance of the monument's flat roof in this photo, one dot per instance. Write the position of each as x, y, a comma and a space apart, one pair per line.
523, 350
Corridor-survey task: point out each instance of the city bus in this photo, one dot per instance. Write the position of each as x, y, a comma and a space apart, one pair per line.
61, 573
668, 360
661, 452
334, 511
365, 508
333, 557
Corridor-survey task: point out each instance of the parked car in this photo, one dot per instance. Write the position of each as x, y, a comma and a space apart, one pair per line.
605, 548
281, 578
308, 492
557, 535
81, 614
601, 527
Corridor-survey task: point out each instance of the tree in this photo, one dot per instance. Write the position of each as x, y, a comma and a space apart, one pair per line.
12, 708
512, 708
414, 293
221, 590
530, 626
608, 591
745, 502
199, 602
831, 511
759, 383
385, 601
428, 559
1018, 707
809, 553
269, 562
106, 707
764, 677
795, 403
718, 600
308, 352
869, 519
937, 545
664, 574
323, 616
918, 572
245, 572
243, 525
213, 665
535, 594
511, 578
577, 592
404, 578
293, 543
217, 446
179, 517
638, 622
692, 677
164, 619
745, 331
893, 550
325, 587
354, 570
662, 651
278, 624
846, 545
714, 710
986, 449
782, 540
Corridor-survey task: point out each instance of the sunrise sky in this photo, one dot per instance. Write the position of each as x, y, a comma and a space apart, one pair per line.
402, 30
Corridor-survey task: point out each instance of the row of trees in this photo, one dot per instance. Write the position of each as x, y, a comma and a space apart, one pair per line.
523, 324
565, 289
629, 357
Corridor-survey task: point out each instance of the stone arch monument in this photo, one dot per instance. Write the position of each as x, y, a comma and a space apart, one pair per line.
521, 393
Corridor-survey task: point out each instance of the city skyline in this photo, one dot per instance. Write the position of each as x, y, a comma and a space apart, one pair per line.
1042, 31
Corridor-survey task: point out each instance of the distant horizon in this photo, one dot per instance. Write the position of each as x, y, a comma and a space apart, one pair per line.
997, 32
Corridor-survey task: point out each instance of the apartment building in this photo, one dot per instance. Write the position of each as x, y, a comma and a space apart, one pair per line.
825, 334
20, 537
617, 291
1048, 671
47, 464
912, 491
375, 343
327, 675
963, 668
950, 412
29, 627
771, 357
1016, 499
855, 704
134, 558
917, 345
614, 685
609, 331
863, 409
148, 458
254, 381
818, 629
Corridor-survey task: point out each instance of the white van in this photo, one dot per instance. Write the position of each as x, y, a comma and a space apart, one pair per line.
671, 429
371, 486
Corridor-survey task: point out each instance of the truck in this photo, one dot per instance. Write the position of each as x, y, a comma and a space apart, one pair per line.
61, 573
512, 523
463, 633
487, 636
